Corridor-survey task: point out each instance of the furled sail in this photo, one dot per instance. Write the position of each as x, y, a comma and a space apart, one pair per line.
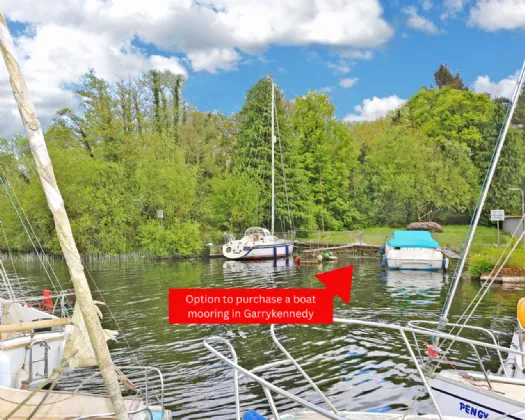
78, 345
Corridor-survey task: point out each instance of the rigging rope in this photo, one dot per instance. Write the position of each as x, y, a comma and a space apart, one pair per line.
11, 258
45, 258
30, 238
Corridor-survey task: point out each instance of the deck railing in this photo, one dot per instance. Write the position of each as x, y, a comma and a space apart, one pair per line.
332, 413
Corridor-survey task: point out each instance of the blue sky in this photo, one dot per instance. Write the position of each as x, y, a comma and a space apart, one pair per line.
369, 54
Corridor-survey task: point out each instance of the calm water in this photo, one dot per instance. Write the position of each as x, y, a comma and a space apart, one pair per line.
360, 369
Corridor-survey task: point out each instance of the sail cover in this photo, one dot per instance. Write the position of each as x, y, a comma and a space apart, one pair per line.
78, 346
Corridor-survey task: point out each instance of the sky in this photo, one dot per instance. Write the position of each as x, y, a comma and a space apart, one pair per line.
369, 56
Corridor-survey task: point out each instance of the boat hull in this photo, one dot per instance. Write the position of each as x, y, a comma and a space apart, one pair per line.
457, 399
254, 252
61, 405
425, 259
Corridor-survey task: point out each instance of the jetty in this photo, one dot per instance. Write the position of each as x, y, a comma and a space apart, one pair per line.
357, 247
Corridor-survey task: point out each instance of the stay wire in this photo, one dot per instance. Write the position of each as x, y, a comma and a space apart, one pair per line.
39, 256
11, 258
46, 259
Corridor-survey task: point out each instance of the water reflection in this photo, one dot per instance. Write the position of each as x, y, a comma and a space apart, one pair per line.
359, 368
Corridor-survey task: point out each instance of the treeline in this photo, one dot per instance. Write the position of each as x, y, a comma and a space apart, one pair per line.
138, 147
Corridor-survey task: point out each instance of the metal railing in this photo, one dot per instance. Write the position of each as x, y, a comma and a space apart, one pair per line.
147, 390
333, 413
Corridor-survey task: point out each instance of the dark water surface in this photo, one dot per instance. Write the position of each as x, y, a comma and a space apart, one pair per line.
359, 368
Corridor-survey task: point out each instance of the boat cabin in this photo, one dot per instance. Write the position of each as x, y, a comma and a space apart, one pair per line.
257, 234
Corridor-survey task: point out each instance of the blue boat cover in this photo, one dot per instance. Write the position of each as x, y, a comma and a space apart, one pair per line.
412, 239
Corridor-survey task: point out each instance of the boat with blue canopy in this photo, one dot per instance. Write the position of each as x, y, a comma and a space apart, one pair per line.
413, 250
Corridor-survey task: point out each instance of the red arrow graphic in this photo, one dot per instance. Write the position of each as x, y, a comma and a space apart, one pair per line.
261, 306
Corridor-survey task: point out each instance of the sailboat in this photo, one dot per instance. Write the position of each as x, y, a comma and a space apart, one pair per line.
258, 242
453, 393
36, 346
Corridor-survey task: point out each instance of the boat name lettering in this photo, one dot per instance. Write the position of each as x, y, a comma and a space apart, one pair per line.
476, 412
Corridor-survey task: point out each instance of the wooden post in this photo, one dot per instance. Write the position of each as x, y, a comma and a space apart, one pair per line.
63, 228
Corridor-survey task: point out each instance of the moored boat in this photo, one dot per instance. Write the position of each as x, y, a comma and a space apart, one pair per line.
257, 243
413, 250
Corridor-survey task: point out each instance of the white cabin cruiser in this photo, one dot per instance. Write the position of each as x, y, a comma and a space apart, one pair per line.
413, 250
257, 243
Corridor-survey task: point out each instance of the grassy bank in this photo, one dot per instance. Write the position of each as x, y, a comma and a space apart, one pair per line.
453, 236
483, 254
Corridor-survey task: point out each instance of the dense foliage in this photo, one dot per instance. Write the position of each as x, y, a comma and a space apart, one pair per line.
137, 147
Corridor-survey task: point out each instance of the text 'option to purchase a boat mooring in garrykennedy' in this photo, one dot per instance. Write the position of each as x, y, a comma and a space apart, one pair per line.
261, 306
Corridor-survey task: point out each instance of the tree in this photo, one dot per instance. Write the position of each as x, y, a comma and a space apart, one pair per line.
444, 78
329, 159
252, 155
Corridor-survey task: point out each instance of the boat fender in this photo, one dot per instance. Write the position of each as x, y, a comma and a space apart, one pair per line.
382, 250
297, 260
383, 263
253, 415
444, 264
48, 301
21, 377
520, 312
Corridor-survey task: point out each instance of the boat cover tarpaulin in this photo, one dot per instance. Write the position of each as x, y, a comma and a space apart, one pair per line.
412, 239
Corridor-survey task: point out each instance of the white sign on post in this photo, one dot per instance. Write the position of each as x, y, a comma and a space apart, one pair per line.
497, 215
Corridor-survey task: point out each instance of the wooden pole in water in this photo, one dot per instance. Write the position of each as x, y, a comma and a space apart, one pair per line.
63, 228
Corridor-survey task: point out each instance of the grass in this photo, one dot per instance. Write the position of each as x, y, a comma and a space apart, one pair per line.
453, 236
483, 254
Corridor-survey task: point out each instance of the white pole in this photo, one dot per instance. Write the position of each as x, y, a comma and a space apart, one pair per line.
62, 226
273, 158
455, 280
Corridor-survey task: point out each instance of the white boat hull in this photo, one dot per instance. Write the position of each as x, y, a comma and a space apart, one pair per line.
253, 252
426, 259
457, 399
62, 405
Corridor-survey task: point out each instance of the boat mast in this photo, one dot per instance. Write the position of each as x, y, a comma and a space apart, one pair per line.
455, 280
273, 155
63, 228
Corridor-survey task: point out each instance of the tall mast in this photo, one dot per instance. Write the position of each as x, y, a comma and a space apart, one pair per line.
501, 140
63, 228
273, 155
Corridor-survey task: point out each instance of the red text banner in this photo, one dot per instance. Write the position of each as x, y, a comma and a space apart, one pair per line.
261, 306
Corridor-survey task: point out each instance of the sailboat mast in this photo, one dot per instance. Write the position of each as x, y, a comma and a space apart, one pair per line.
481, 203
273, 155
63, 228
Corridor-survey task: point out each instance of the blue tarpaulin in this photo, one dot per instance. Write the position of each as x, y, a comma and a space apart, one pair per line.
412, 239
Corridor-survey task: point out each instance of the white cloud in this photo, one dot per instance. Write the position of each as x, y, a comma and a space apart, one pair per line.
340, 67
372, 109
498, 14
504, 88
326, 89
355, 54
214, 59
418, 22
348, 82
426, 5
65, 38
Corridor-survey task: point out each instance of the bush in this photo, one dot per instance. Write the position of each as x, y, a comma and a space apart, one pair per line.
178, 239
480, 264
484, 258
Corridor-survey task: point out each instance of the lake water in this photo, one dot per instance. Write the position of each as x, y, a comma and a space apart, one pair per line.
358, 368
